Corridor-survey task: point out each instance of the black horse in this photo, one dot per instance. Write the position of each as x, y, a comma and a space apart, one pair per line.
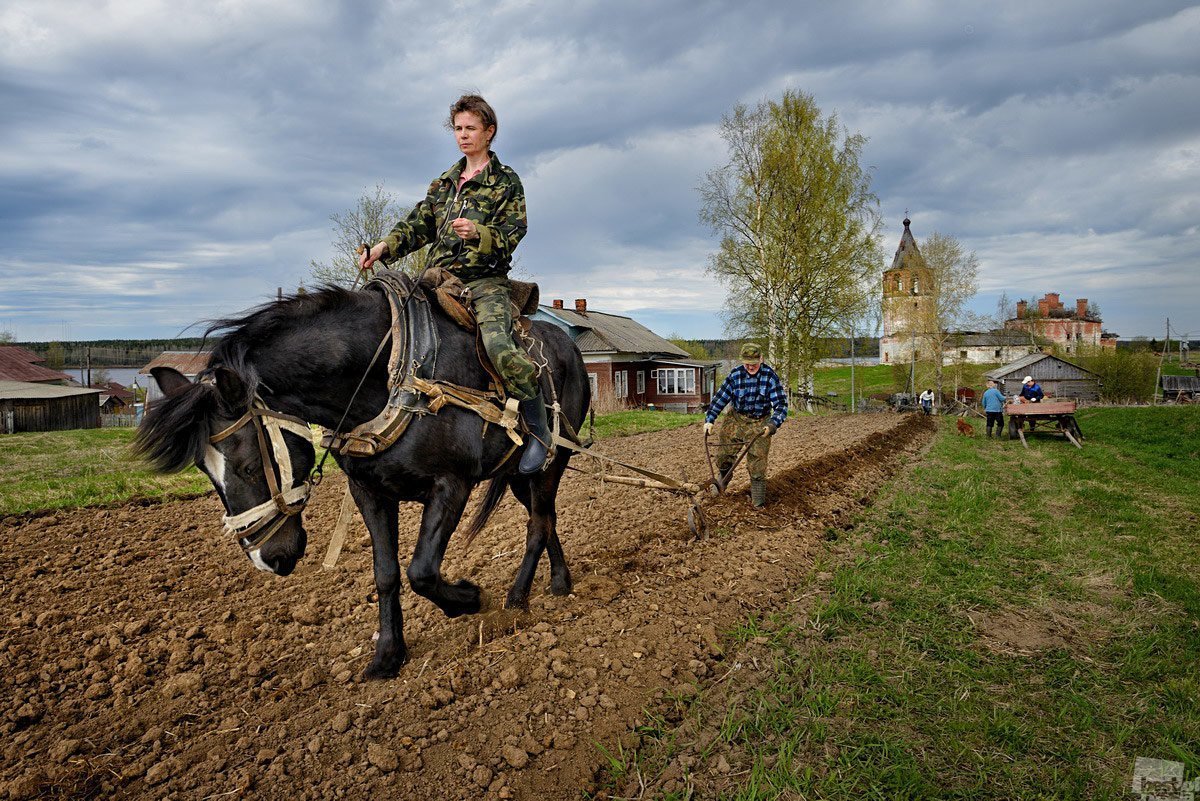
300, 360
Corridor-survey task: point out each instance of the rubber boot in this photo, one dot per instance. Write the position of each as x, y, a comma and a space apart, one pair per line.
534, 457
758, 492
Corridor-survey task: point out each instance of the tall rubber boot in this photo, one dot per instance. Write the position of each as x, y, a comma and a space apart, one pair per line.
758, 492
534, 413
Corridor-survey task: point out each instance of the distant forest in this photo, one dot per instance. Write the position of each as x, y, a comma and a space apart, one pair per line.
108, 352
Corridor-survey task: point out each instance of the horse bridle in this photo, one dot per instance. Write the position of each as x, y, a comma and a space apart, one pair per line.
256, 525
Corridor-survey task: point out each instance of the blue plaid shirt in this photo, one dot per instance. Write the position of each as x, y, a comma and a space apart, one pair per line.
752, 395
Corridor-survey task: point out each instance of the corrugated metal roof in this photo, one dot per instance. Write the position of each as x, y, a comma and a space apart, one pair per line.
18, 364
998, 339
188, 362
1180, 383
609, 333
1026, 364
25, 389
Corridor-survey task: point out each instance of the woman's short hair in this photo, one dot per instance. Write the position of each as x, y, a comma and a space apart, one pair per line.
476, 105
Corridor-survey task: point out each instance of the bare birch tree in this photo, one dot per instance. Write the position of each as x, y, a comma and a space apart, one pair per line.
369, 221
798, 226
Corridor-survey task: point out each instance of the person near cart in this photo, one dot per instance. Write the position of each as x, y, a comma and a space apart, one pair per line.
993, 407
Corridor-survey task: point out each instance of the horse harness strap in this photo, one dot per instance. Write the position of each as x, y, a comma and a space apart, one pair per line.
412, 389
258, 524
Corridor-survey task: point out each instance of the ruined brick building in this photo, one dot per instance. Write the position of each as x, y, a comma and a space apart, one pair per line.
1069, 329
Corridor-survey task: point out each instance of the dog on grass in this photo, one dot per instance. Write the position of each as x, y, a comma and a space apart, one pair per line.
965, 428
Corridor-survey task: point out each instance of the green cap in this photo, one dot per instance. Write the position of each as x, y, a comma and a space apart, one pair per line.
751, 353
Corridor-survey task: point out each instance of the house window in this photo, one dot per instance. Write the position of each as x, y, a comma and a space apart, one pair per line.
962, 354
916, 286
592, 384
899, 283
621, 383
641, 382
676, 381
997, 354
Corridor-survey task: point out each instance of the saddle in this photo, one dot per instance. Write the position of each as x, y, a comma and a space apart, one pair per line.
413, 391
452, 295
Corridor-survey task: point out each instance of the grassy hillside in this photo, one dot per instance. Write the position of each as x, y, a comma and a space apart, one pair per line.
1003, 623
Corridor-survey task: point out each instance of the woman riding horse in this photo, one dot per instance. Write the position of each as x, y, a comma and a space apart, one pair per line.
473, 217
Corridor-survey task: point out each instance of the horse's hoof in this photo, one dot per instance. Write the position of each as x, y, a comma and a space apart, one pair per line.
385, 669
519, 603
561, 588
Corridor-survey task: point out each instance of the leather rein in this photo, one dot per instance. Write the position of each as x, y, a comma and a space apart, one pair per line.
255, 526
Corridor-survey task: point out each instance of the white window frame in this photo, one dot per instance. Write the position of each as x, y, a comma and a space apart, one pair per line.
593, 384
670, 379
621, 384
641, 382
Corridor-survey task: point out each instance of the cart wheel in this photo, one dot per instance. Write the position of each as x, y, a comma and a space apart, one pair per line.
697, 523
1012, 428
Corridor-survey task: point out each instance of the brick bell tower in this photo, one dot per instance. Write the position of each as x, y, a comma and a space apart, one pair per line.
906, 298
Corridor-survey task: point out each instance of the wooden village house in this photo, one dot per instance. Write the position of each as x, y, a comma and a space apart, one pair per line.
636, 366
29, 406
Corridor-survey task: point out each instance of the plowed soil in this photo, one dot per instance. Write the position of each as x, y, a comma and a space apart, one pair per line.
142, 656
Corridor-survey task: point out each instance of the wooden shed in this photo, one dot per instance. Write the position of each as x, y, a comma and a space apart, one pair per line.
45, 407
1059, 378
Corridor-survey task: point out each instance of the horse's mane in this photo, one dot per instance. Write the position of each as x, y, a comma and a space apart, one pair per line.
240, 334
175, 430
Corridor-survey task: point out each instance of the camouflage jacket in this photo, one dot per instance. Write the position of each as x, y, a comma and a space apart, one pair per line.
494, 199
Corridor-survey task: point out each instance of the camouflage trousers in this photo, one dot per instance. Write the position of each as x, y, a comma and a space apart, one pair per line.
734, 432
493, 311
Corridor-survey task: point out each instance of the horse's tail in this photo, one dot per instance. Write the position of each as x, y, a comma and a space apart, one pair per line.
491, 499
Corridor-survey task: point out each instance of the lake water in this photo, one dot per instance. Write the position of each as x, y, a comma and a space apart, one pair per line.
122, 375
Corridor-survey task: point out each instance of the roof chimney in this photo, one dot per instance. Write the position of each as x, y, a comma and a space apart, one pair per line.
1021, 306
1044, 307
1081, 308
557, 303
581, 305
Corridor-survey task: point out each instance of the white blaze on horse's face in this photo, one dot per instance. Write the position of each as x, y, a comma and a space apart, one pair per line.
257, 559
214, 465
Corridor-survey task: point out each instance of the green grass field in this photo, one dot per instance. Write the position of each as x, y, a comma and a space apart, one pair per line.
93, 467
67, 469
876, 379
1003, 623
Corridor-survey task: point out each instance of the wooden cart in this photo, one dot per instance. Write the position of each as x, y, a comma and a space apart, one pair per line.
1054, 417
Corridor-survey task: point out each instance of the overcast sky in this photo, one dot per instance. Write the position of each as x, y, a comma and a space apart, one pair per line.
168, 162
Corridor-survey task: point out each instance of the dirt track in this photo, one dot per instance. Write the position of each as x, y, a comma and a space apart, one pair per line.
142, 656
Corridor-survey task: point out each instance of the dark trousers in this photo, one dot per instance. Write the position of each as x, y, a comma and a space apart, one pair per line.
998, 419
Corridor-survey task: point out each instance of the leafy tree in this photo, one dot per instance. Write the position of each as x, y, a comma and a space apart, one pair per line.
55, 357
369, 221
694, 347
798, 225
6, 337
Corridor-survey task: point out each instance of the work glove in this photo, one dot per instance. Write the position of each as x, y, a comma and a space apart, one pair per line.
708, 429
770, 429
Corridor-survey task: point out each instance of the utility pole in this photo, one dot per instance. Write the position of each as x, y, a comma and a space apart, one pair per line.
1158, 376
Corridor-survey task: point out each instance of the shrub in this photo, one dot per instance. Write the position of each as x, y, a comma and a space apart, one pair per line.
1125, 376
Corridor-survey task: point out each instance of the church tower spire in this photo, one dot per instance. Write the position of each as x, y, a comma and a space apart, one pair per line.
906, 298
